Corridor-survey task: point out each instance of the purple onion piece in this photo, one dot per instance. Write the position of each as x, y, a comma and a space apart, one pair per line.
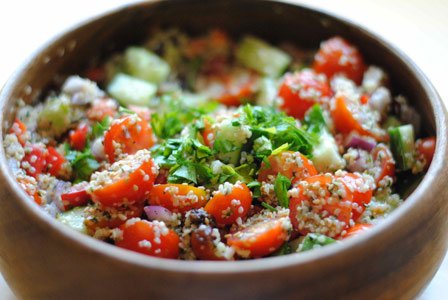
159, 213
360, 142
361, 162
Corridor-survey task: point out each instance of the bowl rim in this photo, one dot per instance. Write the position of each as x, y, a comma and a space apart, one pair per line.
413, 201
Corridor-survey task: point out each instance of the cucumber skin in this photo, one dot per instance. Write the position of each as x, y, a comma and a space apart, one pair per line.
402, 146
143, 64
262, 57
129, 90
74, 219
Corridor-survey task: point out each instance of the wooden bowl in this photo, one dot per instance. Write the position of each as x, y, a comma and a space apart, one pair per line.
41, 259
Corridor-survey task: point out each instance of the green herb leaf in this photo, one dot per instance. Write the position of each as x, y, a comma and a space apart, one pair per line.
284, 250
186, 172
281, 186
83, 164
255, 186
315, 240
99, 128
268, 207
315, 120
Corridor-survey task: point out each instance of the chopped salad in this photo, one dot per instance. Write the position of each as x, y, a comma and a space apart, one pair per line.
213, 148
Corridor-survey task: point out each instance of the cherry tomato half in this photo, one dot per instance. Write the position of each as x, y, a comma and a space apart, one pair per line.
337, 56
301, 90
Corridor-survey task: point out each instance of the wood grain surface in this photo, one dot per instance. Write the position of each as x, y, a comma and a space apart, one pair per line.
418, 27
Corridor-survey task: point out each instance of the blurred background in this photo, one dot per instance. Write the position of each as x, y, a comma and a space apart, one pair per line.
418, 27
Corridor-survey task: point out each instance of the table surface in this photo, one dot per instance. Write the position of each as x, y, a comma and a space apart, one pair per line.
418, 27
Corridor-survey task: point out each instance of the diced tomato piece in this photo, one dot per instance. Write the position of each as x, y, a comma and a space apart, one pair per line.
301, 90
76, 196
203, 243
293, 165
29, 185
364, 99
54, 161
343, 112
237, 92
120, 186
34, 161
19, 129
208, 134
177, 197
127, 134
162, 178
78, 137
323, 205
357, 229
337, 56
230, 203
361, 190
97, 74
101, 108
149, 238
426, 148
143, 112
384, 163
260, 239
99, 217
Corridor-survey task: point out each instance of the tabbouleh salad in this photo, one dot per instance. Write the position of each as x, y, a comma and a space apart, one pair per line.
211, 148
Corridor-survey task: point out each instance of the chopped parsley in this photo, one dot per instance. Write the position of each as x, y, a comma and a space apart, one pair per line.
281, 186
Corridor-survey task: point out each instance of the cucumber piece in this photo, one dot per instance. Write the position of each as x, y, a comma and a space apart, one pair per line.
402, 145
326, 157
55, 116
131, 91
391, 121
143, 64
74, 218
262, 57
267, 92
113, 66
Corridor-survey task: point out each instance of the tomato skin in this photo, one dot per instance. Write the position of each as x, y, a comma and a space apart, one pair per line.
301, 90
78, 137
177, 197
384, 162
129, 188
34, 162
19, 129
102, 108
227, 208
345, 122
99, 217
208, 134
426, 148
357, 229
97, 74
202, 244
259, 239
131, 134
143, 112
320, 205
76, 196
149, 238
54, 161
337, 56
360, 197
286, 164
237, 92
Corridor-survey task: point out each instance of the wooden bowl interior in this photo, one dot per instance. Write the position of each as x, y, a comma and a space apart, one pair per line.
74, 51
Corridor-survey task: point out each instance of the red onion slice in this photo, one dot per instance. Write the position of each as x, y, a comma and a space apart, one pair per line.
360, 142
159, 213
